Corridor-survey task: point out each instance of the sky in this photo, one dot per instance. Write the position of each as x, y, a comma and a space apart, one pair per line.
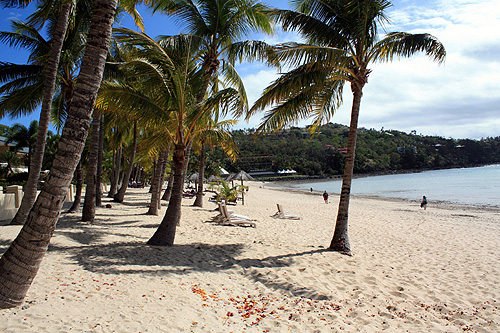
457, 99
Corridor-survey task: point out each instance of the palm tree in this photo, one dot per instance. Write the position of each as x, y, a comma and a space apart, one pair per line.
164, 84
50, 75
229, 193
88, 212
58, 13
20, 263
12, 160
24, 138
220, 24
343, 42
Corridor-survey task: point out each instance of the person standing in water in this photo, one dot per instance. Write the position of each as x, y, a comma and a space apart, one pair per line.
423, 204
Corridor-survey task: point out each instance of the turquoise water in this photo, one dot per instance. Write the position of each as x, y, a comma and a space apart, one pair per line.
468, 186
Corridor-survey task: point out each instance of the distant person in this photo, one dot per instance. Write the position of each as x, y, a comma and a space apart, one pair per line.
423, 204
325, 196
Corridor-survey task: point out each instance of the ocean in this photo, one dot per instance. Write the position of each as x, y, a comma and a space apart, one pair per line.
465, 186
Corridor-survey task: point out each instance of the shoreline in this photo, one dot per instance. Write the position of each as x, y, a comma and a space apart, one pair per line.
435, 203
306, 178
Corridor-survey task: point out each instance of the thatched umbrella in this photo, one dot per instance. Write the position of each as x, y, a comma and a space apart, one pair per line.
213, 178
242, 175
194, 178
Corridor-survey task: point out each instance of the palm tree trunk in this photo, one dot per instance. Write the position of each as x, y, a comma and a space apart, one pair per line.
156, 184
201, 175
79, 185
35, 165
121, 192
168, 191
98, 193
20, 263
162, 179
165, 234
340, 241
116, 173
88, 212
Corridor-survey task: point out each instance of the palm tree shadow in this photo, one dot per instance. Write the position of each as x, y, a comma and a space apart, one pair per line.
138, 258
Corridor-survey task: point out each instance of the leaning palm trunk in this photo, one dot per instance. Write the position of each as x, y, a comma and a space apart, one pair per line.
88, 212
98, 192
126, 176
116, 173
165, 234
340, 241
201, 175
35, 165
79, 184
20, 263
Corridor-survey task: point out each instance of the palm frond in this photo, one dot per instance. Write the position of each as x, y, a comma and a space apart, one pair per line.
403, 44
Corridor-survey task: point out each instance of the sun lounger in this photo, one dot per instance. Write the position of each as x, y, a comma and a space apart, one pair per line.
280, 214
226, 217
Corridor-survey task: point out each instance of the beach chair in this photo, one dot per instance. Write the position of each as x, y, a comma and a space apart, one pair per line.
226, 217
281, 214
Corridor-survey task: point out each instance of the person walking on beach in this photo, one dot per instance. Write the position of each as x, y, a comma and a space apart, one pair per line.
325, 197
423, 204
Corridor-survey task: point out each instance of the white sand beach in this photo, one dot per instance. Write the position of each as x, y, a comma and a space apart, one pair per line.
411, 271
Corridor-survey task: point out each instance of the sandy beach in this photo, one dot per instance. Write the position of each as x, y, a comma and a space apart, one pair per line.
411, 271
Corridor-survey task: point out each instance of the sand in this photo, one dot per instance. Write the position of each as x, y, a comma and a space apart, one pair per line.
411, 271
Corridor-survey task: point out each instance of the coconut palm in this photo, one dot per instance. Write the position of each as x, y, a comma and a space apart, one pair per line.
49, 72
46, 67
24, 137
89, 204
20, 263
343, 42
11, 159
163, 86
221, 24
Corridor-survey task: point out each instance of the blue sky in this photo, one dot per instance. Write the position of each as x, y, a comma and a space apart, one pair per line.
460, 99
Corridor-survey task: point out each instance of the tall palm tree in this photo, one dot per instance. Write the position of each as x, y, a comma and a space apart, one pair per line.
20, 263
168, 79
49, 72
58, 13
221, 24
343, 42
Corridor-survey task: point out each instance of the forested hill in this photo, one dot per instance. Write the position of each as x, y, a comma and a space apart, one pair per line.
377, 151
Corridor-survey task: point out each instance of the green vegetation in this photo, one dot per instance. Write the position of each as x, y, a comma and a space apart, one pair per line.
377, 151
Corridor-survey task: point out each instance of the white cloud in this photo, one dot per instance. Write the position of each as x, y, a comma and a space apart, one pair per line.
458, 99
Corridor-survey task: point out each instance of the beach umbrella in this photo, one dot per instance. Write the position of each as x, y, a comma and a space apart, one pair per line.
213, 178
194, 177
242, 175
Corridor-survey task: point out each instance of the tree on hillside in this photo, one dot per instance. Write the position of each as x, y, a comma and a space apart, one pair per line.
343, 41
20, 263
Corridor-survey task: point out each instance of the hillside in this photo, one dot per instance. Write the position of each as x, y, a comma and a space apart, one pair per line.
377, 151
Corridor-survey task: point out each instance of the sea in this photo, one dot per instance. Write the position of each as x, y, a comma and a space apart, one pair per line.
478, 186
